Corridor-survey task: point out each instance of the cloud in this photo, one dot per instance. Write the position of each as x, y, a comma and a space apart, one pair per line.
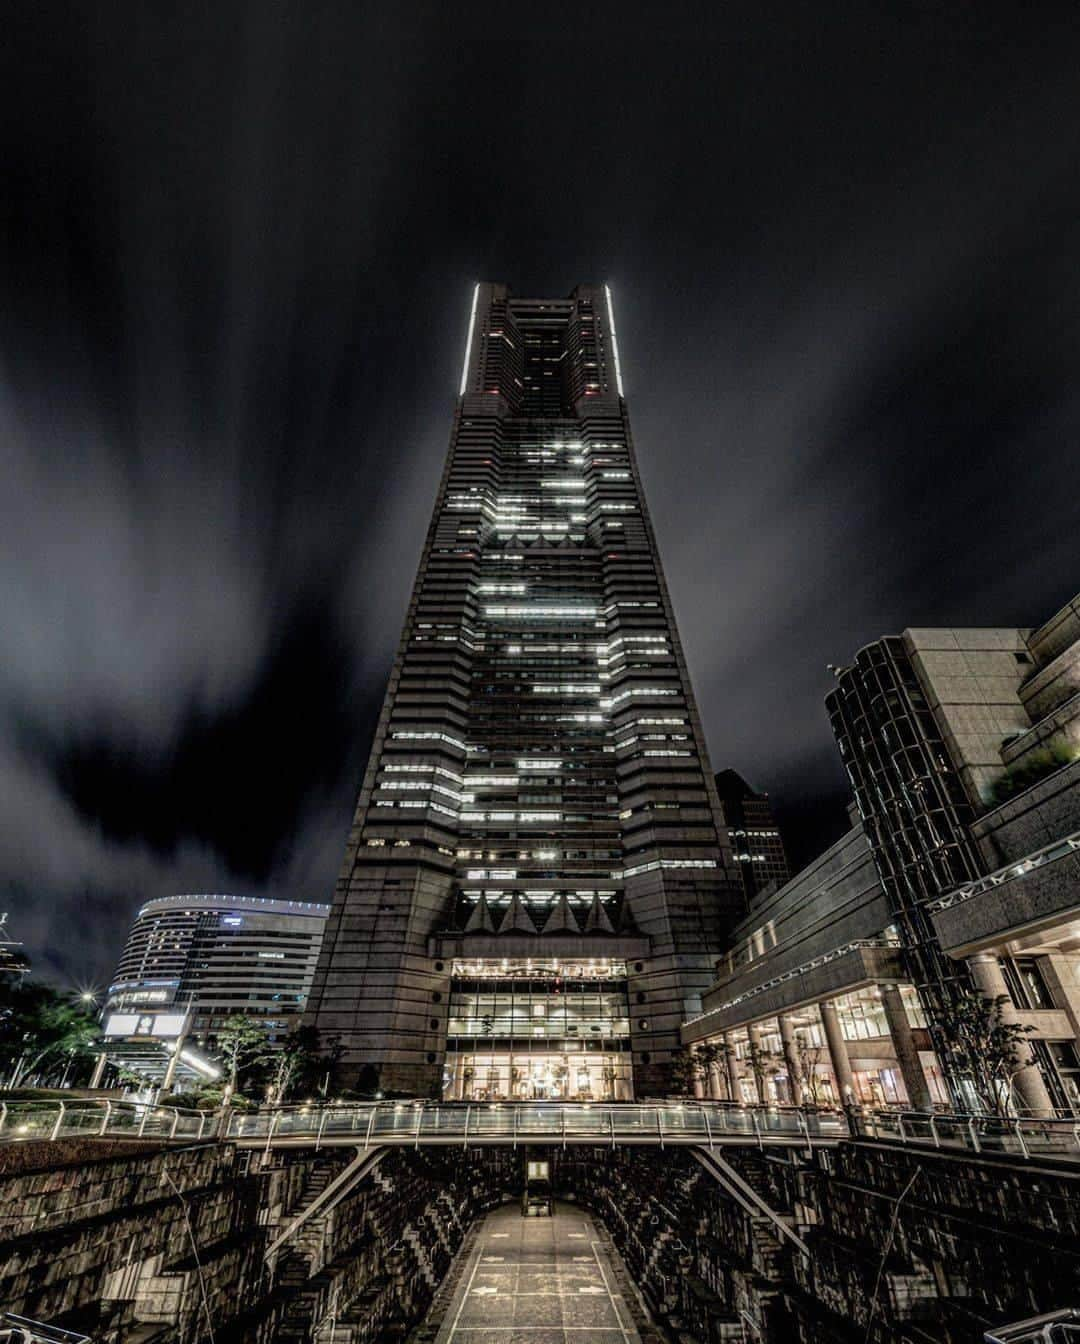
235, 260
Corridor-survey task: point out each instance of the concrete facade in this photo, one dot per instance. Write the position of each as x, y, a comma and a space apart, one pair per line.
961, 872
124, 1244
813, 1002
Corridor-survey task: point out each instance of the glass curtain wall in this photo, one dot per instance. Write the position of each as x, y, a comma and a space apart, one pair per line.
538, 1031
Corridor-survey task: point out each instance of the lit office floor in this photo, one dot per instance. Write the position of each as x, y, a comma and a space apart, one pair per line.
538, 1281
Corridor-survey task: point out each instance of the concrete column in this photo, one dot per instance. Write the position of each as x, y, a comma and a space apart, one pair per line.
756, 1052
838, 1052
991, 984
907, 1053
791, 1059
99, 1069
715, 1082
1062, 972
699, 1082
734, 1072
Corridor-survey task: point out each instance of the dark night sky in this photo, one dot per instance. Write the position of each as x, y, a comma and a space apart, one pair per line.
237, 252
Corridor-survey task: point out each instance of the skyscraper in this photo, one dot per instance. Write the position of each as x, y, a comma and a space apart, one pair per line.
537, 878
755, 836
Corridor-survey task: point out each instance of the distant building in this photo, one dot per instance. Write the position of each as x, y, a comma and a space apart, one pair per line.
755, 837
962, 870
13, 960
191, 962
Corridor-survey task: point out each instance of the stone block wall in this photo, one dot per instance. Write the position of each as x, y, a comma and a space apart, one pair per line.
905, 1246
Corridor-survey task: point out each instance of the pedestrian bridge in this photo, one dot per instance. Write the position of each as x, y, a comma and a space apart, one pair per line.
461, 1125
704, 1124
423, 1123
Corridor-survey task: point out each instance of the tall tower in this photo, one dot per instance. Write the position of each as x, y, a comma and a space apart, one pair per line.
537, 879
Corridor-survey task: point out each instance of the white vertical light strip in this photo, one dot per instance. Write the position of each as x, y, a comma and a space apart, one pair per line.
614, 339
468, 342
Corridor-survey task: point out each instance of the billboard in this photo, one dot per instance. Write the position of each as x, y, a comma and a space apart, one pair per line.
160, 1026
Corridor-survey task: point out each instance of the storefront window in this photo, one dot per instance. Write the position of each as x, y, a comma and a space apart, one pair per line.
540, 1030
913, 1009
862, 1015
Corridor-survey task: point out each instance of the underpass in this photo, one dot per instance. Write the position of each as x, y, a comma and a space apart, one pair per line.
546, 1280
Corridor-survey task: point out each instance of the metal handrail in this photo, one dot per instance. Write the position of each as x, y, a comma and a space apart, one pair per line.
1056, 1327
700, 1121
1022, 1136
51, 1120
1038, 858
25, 1331
415, 1122
823, 959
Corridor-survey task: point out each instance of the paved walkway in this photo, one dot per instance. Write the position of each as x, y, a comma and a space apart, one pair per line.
538, 1281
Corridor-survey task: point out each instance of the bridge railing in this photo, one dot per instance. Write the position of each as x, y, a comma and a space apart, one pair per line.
1056, 1328
52, 1120
1019, 1136
548, 1122
523, 1122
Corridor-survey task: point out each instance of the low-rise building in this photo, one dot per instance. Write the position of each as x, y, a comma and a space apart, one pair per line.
961, 871
813, 1003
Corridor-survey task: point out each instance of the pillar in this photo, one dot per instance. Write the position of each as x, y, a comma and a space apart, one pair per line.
698, 1080
714, 1088
792, 1059
734, 1072
838, 1053
1062, 972
99, 1070
756, 1053
907, 1053
990, 983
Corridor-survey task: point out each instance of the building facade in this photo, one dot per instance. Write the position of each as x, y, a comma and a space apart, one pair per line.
537, 879
813, 1003
14, 962
962, 872
756, 843
191, 962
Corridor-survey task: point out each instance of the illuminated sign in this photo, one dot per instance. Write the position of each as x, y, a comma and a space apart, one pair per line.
160, 1026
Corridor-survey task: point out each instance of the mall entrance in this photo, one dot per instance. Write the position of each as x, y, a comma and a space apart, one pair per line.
538, 1029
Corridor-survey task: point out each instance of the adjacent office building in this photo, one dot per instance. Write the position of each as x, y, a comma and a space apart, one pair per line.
537, 880
191, 962
962, 870
757, 847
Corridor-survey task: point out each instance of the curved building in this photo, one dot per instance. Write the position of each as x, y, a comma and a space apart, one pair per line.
214, 957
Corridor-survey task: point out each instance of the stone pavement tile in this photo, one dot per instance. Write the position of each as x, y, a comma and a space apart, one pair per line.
538, 1281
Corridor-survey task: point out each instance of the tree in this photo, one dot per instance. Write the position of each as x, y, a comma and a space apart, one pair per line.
41, 1031
303, 1064
242, 1044
684, 1071
694, 1064
765, 1065
808, 1057
984, 1046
